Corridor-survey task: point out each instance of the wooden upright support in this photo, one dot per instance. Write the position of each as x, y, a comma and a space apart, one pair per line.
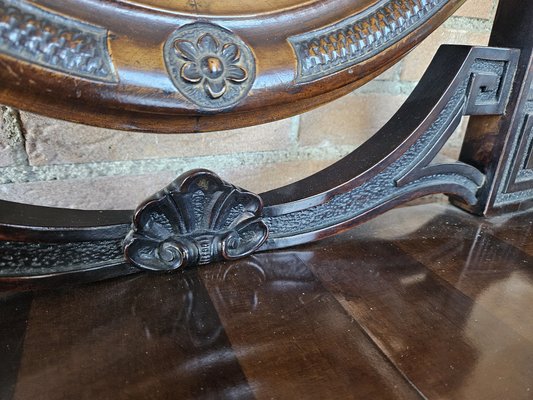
501, 146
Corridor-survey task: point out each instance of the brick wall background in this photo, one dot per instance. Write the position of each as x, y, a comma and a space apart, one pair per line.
51, 162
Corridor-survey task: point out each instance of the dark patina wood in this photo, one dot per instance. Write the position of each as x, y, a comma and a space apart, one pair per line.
199, 218
148, 65
426, 302
501, 146
394, 166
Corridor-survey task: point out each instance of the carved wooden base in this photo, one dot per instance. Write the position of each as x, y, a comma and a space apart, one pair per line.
199, 218
502, 146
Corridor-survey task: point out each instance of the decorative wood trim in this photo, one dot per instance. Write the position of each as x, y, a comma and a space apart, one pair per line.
23, 259
103, 42
501, 146
517, 183
404, 172
199, 218
358, 37
209, 65
31, 34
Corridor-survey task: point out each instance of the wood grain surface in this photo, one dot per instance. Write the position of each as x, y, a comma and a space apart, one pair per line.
147, 65
424, 302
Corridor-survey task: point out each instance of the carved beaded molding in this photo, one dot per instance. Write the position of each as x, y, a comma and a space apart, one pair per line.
32, 34
197, 219
359, 37
209, 65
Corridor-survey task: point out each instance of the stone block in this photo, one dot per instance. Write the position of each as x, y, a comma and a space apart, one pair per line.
349, 120
482, 9
126, 192
50, 141
416, 63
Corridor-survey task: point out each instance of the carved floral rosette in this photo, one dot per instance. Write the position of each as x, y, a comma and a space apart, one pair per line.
209, 65
195, 220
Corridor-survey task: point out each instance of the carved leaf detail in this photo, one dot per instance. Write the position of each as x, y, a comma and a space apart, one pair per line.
185, 49
215, 89
236, 74
191, 73
231, 52
208, 43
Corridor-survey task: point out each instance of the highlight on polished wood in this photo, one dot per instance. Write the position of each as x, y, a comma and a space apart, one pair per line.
426, 302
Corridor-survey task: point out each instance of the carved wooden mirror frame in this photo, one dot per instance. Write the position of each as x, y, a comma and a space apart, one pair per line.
150, 66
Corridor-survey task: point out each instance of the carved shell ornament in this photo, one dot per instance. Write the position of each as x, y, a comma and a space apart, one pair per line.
195, 220
209, 65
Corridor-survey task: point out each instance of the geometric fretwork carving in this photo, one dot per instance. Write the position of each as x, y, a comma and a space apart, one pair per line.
517, 183
501, 146
484, 94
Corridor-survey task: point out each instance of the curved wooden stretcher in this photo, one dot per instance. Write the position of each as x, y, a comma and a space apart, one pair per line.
163, 66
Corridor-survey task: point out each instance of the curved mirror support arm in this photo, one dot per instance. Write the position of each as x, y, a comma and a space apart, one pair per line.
199, 218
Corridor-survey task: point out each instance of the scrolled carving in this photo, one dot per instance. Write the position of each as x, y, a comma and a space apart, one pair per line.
195, 220
210, 66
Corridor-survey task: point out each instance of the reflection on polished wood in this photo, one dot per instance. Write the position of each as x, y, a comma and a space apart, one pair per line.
423, 302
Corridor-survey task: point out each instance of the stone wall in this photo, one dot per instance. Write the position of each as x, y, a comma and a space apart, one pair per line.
51, 162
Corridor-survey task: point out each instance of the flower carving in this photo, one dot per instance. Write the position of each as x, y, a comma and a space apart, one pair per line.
195, 220
210, 64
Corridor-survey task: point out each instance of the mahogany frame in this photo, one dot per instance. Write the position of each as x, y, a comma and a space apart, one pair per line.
199, 218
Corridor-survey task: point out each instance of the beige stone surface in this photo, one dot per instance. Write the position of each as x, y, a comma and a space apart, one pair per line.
6, 157
50, 141
482, 9
11, 147
265, 177
349, 120
390, 74
416, 63
126, 192
122, 192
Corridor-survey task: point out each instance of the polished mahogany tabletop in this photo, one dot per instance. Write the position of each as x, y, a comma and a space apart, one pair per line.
424, 302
